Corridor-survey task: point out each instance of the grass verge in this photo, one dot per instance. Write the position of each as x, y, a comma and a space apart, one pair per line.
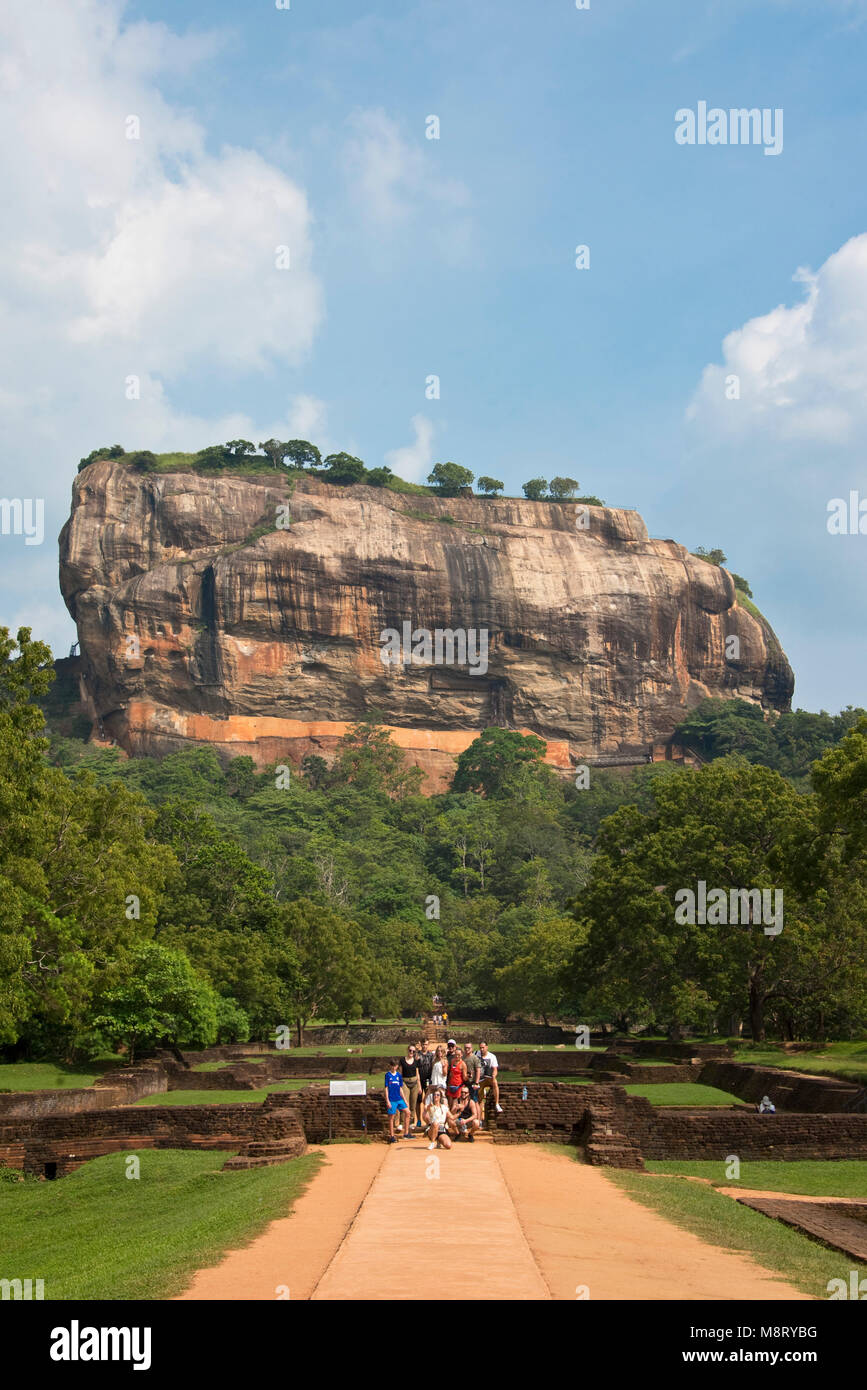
810, 1178
683, 1093
723, 1222
98, 1234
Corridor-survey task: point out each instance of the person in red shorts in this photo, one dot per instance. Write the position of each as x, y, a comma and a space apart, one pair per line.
456, 1073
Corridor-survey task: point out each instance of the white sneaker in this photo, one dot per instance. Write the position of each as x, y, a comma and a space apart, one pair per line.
431, 1146
499, 1109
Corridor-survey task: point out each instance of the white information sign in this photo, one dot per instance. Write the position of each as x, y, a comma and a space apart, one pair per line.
347, 1088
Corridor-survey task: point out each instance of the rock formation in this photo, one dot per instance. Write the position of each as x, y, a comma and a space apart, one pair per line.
226, 609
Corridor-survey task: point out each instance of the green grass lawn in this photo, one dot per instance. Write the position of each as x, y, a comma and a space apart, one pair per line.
724, 1222
845, 1059
49, 1076
295, 1083
221, 1066
567, 1080
682, 1093
98, 1234
837, 1178
644, 1061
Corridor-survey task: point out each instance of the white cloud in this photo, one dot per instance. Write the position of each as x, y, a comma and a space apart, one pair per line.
153, 257
393, 180
802, 371
413, 461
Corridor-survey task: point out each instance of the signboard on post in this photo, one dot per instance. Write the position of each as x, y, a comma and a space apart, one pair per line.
344, 1088
347, 1088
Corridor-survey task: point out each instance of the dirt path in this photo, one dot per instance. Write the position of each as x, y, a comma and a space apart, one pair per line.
584, 1231
295, 1251
786, 1196
507, 1222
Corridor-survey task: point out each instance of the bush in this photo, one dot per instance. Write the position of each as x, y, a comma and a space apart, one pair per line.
535, 489
143, 461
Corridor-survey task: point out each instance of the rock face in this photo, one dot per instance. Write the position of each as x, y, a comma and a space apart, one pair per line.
202, 618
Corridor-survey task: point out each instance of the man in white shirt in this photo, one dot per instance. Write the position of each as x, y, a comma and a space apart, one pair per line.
489, 1068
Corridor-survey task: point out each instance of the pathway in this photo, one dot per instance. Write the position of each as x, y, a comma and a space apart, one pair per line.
503, 1222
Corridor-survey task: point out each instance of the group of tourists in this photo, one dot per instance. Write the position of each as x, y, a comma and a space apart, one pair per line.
441, 1092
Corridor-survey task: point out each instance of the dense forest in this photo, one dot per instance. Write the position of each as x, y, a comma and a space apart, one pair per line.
190, 901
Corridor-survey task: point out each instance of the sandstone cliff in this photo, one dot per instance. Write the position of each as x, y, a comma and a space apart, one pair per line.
201, 620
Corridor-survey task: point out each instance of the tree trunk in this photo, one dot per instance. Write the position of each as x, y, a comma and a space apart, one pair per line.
757, 1012
299, 1030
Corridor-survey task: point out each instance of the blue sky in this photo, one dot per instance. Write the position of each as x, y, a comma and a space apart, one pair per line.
456, 257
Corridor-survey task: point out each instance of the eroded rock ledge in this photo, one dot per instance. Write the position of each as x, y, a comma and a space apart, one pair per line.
201, 621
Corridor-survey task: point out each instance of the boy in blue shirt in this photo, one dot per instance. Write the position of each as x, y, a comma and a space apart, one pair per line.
395, 1101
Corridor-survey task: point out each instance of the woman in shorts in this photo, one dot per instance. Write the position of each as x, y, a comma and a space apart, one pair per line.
438, 1120
409, 1072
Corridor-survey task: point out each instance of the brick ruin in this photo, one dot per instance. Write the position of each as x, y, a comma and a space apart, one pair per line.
51, 1133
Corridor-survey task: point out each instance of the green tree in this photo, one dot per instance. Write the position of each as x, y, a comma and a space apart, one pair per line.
536, 980
275, 451
368, 759
302, 454
160, 1000
211, 457
731, 826
490, 486
562, 489
490, 764
343, 469
713, 557
143, 461
108, 451
535, 489
239, 448
379, 477
741, 583
840, 780
449, 478
334, 964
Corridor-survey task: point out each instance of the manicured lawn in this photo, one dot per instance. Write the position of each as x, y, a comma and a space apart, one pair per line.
568, 1080
724, 1222
49, 1076
99, 1234
682, 1093
846, 1059
296, 1083
221, 1066
841, 1178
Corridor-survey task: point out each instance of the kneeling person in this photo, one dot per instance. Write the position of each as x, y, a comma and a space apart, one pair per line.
466, 1115
439, 1121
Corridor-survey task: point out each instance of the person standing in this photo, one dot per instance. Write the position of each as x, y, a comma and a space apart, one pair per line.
395, 1101
488, 1080
456, 1072
438, 1070
425, 1059
409, 1072
474, 1069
